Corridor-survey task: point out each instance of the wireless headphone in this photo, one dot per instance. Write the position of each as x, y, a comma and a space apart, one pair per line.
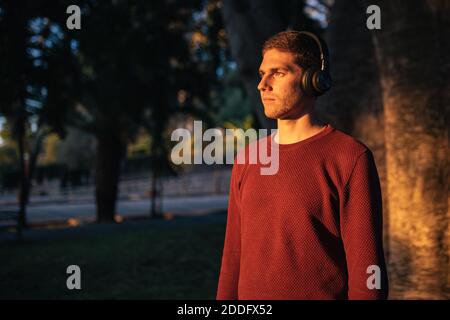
315, 82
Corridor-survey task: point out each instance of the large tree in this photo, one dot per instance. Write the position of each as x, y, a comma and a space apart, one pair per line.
354, 104
126, 51
413, 58
126, 67
136, 63
33, 73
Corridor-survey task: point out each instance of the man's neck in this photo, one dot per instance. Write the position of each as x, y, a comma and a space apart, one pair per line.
295, 130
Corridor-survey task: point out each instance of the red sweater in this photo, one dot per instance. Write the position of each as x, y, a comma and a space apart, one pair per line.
311, 230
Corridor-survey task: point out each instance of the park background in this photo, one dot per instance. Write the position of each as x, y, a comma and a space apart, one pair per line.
86, 117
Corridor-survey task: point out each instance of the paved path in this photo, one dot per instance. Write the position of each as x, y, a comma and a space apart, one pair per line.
185, 206
34, 235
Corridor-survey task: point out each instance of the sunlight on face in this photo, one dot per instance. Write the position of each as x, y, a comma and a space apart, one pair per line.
280, 85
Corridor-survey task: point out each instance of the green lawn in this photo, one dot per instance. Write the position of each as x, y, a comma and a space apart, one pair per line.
166, 260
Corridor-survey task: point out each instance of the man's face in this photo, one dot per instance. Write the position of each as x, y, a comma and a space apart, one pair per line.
280, 85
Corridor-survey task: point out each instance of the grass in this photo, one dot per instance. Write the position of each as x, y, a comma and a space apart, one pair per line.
180, 261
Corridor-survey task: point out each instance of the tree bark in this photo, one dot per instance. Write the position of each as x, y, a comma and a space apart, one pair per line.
354, 103
155, 195
109, 156
413, 59
28, 161
23, 190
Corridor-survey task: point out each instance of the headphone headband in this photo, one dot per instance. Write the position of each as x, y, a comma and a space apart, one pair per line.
323, 59
316, 82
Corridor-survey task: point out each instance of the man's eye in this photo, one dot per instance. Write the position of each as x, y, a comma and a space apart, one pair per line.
278, 74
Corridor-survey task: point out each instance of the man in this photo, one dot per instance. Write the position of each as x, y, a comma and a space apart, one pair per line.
313, 230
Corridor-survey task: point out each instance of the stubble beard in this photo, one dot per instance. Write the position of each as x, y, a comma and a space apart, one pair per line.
281, 107
275, 110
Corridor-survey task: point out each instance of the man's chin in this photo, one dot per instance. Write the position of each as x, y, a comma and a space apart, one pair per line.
271, 114
282, 114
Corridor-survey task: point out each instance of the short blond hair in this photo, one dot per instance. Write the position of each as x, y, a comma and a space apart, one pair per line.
302, 46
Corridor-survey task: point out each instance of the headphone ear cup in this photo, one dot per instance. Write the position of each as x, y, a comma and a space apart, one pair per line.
321, 82
307, 82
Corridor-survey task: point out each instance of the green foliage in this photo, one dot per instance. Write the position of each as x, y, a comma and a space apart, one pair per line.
50, 149
233, 106
9, 169
132, 65
141, 145
76, 151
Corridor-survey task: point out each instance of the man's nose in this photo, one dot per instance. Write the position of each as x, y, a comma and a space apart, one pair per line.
263, 84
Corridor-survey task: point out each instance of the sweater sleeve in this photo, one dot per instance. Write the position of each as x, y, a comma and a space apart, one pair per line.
229, 273
361, 231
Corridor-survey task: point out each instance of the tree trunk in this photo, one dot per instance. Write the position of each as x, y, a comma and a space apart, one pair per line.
156, 196
109, 156
354, 103
158, 165
28, 161
23, 190
412, 53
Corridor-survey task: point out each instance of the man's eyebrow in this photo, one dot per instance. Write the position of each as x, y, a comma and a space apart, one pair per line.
275, 69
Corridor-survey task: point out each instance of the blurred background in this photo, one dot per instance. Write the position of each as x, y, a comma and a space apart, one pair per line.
86, 117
